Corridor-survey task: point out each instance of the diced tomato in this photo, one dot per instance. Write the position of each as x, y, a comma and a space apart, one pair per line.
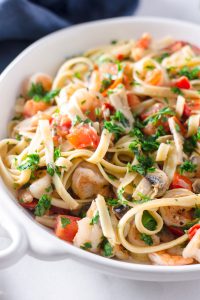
66, 227
180, 181
31, 107
192, 231
30, 205
133, 100
108, 106
176, 231
84, 136
183, 83
57, 210
187, 111
61, 124
120, 56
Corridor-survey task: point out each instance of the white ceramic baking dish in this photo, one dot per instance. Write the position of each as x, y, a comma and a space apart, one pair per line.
46, 55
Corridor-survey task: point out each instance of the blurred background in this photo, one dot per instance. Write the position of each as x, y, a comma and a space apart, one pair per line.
21, 23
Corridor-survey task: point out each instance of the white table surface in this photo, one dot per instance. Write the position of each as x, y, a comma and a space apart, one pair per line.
31, 279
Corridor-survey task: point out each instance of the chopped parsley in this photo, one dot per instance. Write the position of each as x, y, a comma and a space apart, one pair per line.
37, 93
86, 246
112, 177
50, 169
107, 248
144, 166
65, 221
147, 239
18, 137
119, 116
149, 67
106, 82
190, 144
187, 166
197, 212
43, 205
191, 74
57, 153
112, 201
77, 75
117, 130
95, 219
176, 90
77, 120
31, 163
148, 221
49, 189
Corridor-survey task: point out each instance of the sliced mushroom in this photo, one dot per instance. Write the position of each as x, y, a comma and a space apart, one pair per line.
120, 210
196, 186
159, 181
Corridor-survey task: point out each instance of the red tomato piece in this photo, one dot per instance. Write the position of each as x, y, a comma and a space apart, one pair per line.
183, 83
84, 136
187, 111
180, 181
176, 231
108, 106
120, 56
192, 231
30, 205
66, 227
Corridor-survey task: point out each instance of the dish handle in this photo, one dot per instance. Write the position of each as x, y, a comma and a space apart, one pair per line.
15, 250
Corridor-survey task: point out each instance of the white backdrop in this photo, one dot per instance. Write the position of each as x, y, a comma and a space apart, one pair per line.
31, 279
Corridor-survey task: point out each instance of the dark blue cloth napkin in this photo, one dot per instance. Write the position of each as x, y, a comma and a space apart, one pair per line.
24, 21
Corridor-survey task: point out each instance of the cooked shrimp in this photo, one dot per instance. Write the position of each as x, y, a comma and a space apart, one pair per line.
88, 102
176, 216
87, 181
164, 259
88, 233
44, 79
25, 196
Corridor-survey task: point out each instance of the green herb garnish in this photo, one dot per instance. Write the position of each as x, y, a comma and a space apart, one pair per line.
31, 163
65, 221
148, 221
176, 90
43, 205
187, 166
86, 246
147, 239
95, 219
